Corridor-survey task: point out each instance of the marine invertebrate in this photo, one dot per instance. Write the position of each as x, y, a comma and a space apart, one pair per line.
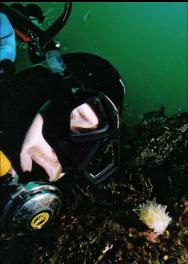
154, 216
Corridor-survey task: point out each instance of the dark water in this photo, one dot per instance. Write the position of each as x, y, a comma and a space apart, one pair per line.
146, 42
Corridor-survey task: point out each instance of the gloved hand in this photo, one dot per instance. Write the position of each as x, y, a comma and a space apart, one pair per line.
35, 147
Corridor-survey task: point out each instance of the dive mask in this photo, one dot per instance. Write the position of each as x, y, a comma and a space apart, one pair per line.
92, 150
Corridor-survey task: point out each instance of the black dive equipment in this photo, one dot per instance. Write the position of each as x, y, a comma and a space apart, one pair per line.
30, 206
92, 152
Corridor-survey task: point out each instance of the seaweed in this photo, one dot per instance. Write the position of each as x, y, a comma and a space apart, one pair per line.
97, 223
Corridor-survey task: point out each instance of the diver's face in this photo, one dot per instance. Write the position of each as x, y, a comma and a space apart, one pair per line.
36, 149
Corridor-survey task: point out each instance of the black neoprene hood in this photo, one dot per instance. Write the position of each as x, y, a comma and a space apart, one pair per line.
79, 149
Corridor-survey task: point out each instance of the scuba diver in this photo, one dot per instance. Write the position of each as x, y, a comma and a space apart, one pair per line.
67, 120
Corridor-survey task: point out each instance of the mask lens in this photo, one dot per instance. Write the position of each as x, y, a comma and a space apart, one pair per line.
103, 161
87, 118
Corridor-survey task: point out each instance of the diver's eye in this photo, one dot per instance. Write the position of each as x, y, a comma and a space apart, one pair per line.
87, 118
83, 117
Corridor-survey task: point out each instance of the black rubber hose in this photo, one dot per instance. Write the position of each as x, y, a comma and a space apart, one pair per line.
60, 21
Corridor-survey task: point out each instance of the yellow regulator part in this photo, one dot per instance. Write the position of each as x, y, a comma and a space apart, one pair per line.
39, 220
5, 164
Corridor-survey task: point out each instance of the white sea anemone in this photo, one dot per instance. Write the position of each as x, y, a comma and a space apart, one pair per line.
154, 216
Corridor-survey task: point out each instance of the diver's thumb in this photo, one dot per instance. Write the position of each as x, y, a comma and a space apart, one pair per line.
25, 161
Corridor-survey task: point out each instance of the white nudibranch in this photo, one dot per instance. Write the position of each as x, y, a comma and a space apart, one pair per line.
154, 216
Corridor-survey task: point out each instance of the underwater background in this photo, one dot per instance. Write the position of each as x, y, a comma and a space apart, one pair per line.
146, 42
